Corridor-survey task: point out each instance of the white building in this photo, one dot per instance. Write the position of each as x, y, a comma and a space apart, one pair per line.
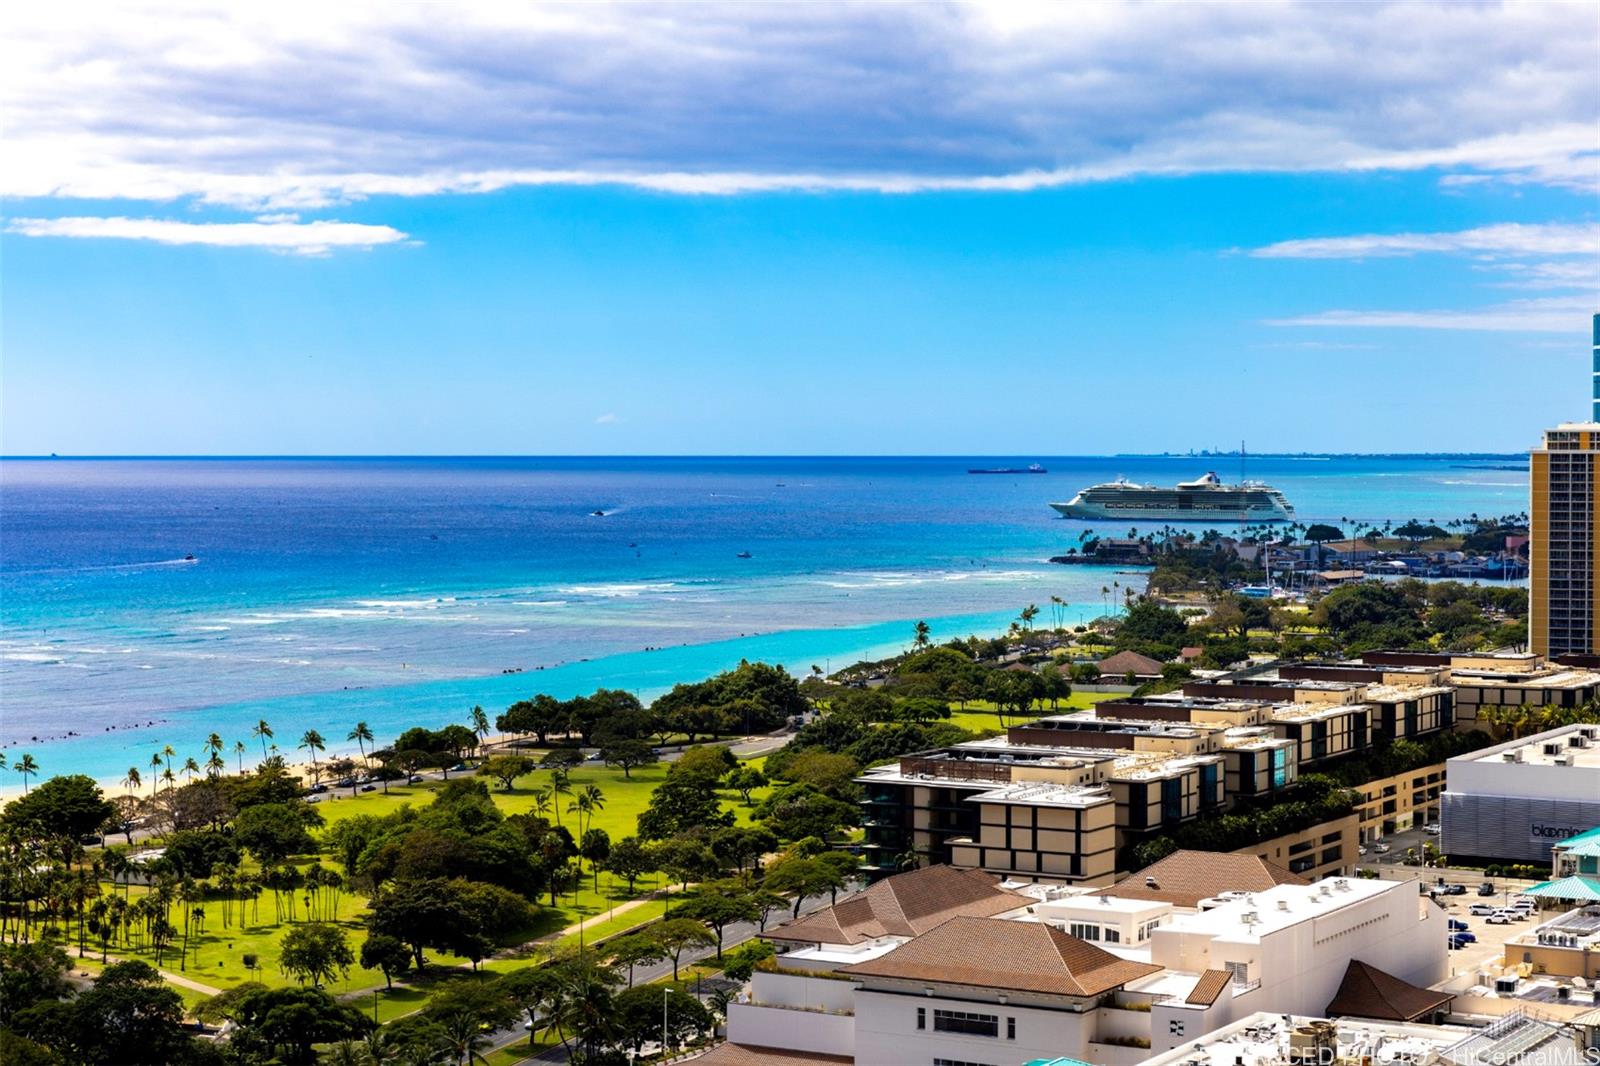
996, 977
1515, 800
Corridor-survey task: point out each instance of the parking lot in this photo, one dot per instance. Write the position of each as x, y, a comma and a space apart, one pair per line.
1488, 949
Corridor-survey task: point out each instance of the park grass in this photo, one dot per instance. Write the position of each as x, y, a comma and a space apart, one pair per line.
216, 956
979, 715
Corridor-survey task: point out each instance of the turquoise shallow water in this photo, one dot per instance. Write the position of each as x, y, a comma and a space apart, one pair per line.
399, 590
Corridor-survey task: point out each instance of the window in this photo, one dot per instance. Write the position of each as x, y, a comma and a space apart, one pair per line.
1011, 1028
960, 1021
922, 1017
1084, 930
1113, 935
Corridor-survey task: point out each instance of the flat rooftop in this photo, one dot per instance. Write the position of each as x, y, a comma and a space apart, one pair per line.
1283, 906
1045, 794
1261, 1039
1545, 749
1312, 712
1552, 679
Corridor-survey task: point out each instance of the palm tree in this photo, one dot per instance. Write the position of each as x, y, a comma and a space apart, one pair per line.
561, 785
167, 753
312, 741
362, 735
190, 768
27, 768
264, 731
133, 780
541, 801
213, 748
169, 779
238, 749
480, 724
155, 772
216, 766
920, 638
1029, 613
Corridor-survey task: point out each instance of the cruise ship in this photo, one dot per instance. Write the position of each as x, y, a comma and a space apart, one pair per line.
1205, 499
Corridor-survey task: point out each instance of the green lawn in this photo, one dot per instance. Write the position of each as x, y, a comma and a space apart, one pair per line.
980, 714
216, 956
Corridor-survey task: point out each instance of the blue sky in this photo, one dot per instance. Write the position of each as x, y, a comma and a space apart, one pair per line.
802, 230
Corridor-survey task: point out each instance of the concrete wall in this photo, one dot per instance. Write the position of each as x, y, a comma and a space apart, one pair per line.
808, 993
886, 1032
823, 1034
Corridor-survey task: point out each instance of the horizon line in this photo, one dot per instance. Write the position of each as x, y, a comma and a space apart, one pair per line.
260, 456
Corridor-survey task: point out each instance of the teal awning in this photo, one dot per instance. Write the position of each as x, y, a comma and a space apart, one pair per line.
1577, 888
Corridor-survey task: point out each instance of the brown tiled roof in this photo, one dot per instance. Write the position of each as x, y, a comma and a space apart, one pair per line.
1209, 987
903, 905
1125, 661
994, 953
756, 1055
1184, 878
1368, 992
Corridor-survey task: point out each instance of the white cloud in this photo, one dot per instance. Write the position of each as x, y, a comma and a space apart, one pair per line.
297, 106
607, 419
1509, 239
302, 238
1556, 314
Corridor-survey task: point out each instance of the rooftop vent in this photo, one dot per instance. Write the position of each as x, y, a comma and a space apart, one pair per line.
1283, 904
1150, 882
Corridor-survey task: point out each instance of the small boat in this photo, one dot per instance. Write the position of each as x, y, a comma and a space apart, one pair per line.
742, 555
597, 514
190, 559
1031, 468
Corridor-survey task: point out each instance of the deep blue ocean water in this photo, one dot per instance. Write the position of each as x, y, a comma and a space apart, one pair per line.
400, 591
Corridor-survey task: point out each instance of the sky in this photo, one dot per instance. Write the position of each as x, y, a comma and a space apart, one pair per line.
1009, 229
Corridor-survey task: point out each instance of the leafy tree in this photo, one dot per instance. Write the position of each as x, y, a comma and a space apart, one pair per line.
626, 753
719, 906
71, 806
541, 716
467, 1011
640, 1013
803, 810
833, 774
272, 832
289, 1022
630, 860
677, 935
30, 973
315, 952
1014, 691
131, 1016
739, 846
1149, 622
705, 764
740, 963
381, 952
681, 803
745, 780
804, 877
420, 914
506, 769
561, 759
637, 949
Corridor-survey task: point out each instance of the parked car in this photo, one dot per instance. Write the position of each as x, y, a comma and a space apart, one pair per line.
1432, 829
1481, 909
318, 788
1463, 937
1499, 918
1361, 849
1381, 848
1455, 890
369, 788
1458, 924
1486, 889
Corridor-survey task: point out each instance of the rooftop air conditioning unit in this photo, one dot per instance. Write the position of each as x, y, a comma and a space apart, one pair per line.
1552, 749
1511, 756
1561, 760
1577, 740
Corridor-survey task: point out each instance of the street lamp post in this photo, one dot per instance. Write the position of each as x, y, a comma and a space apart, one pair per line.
665, 992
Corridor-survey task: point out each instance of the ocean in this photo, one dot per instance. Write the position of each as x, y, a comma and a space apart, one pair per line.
150, 602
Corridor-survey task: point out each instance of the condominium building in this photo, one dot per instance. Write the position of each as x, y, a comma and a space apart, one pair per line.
1564, 598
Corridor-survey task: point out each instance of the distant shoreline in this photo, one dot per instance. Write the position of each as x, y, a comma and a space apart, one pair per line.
753, 457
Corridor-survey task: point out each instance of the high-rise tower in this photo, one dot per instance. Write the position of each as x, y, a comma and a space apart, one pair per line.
1564, 593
